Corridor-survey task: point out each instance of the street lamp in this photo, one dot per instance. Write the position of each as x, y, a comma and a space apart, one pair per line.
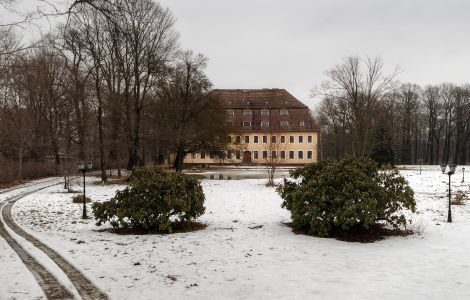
450, 172
463, 175
420, 161
84, 166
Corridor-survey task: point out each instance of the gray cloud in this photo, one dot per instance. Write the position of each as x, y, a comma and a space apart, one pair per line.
290, 44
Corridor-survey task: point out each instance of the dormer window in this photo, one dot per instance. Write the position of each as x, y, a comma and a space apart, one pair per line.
265, 112
302, 123
230, 112
284, 123
246, 124
247, 112
284, 112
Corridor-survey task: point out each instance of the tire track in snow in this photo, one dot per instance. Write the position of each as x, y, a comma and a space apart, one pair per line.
48, 283
84, 286
27, 185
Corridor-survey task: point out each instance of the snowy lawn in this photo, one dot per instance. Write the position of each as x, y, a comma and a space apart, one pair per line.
247, 253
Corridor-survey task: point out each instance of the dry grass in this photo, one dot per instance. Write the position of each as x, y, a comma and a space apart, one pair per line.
177, 228
375, 233
79, 199
459, 198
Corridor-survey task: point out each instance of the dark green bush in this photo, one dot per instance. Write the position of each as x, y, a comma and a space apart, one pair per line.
346, 194
155, 200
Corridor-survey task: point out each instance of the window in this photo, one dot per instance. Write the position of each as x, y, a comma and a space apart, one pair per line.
283, 139
265, 139
273, 154
237, 139
265, 154
309, 139
291, 154
230, 112
229, 154
246, 123
301, 139
264, 123
265, 112
229, 139
291, 139
283, 154
309, 154
203, 155
302, 123
247, 112
247, 139
238, 154
229, 124
193, 155
284, 123
284, 112
301, 155
273, 139
255, 154
255, 139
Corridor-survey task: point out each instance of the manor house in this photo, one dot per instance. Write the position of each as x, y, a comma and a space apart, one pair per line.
267, 126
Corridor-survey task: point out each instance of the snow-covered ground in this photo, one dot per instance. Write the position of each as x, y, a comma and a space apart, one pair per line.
247, 253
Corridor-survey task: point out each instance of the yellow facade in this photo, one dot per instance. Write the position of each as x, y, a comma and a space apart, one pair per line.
287, 148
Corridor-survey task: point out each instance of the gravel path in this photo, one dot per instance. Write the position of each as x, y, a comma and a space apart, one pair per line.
51, 287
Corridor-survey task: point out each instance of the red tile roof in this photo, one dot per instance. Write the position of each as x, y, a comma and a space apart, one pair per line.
257, 98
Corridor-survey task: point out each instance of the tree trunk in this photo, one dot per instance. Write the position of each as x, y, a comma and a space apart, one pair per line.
179, 160
104, 178
20, 163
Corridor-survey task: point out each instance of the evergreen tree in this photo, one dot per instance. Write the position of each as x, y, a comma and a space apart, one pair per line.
382, 151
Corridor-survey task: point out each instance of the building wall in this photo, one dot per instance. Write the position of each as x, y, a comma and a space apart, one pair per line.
278, 146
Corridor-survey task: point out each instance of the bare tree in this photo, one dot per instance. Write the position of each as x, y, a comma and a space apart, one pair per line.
186, 113
143, 43
356, 93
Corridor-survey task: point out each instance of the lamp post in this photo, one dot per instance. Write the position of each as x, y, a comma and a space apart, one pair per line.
420, 161
450, 172
463, 175
84, 166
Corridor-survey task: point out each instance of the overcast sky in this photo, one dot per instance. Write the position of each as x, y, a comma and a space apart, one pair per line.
290, 44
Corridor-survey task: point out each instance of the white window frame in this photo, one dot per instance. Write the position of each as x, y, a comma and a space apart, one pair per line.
244, 124
284, 112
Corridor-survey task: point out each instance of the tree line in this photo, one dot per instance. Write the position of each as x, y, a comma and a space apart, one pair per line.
366, 112
111, 85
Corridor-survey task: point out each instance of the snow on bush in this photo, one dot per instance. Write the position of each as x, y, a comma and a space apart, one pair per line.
155, 200
346, 194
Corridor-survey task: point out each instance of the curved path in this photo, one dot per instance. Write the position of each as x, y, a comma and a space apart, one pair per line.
50, 285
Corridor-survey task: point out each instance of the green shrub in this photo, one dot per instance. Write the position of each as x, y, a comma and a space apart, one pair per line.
79, 199
346, 194
155, 200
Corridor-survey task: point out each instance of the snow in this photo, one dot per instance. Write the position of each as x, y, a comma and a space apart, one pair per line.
236, 258
16, 281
